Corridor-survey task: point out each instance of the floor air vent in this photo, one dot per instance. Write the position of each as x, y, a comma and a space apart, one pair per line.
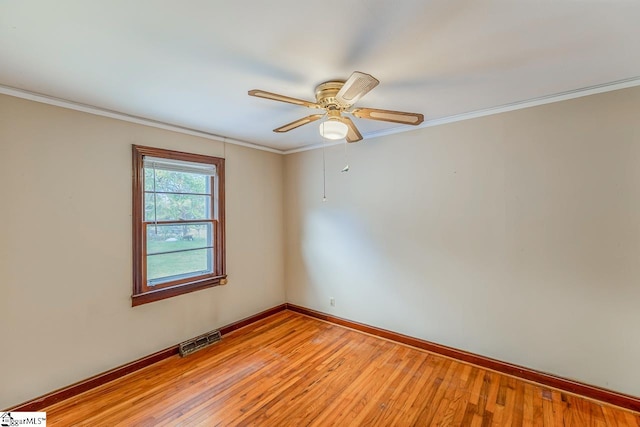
198, 343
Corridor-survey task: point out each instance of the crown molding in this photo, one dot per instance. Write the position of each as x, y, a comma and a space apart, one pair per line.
534, 102
85, 108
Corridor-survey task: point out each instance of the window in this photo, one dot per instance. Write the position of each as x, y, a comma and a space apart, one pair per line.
178, 223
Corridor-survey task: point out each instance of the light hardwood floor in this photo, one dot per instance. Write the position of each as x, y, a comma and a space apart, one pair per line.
292, 370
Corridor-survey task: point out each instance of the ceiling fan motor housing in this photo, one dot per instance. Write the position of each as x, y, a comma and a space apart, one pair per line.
326, 95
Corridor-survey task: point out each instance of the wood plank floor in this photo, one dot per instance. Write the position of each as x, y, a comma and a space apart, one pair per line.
292, 370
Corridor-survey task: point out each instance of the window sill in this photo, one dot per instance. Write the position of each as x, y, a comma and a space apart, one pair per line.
163, 293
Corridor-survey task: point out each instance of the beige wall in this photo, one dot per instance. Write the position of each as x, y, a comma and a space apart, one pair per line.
65, 247
515, 236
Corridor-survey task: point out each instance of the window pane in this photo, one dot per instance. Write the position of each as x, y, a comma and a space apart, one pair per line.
174, 207
176, 182
167, 238
178, 265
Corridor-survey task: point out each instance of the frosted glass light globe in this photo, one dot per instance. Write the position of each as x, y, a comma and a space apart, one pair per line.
333, 129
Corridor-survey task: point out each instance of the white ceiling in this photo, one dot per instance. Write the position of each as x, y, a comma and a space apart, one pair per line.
190, 63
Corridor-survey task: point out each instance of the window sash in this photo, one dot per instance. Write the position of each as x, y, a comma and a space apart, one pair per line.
183, 277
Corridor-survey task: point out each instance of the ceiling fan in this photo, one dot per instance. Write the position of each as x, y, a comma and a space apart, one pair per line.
337, 97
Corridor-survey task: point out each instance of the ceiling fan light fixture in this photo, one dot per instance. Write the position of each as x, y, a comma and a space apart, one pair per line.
333, 129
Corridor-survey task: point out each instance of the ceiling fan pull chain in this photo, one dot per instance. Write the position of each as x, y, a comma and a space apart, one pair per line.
346, 158
324, 175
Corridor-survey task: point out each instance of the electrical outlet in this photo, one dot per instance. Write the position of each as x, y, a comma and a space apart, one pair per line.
332, 302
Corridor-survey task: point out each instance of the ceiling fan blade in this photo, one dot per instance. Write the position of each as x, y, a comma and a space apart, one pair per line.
357, 86
275, 97
353, 135
298, 123
389, 116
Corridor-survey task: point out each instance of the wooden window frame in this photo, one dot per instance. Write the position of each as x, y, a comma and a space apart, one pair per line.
143, 294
